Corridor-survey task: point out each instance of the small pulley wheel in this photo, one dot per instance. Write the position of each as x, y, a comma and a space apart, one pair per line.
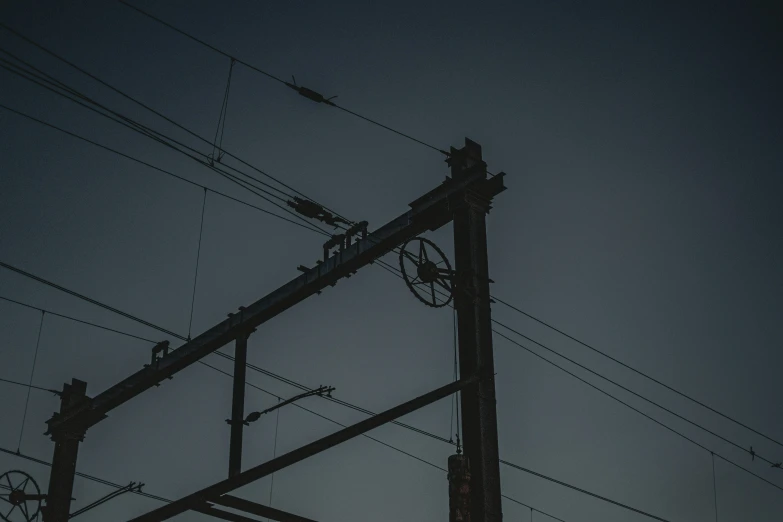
20, 497
427, 272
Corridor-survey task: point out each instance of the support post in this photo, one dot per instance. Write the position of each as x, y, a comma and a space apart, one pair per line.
472, 301
238, 406
66, 450
459, 489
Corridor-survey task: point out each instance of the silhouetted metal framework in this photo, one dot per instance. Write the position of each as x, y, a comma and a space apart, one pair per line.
465, 199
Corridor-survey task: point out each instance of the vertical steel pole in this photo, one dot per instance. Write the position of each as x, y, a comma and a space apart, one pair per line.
238, 406
66, 451
472, 301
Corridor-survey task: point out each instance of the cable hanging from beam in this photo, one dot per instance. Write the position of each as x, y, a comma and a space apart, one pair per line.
30, 385
217, 146
198, 257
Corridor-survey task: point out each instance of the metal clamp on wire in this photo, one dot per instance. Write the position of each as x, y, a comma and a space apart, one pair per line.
314, 211
310, 94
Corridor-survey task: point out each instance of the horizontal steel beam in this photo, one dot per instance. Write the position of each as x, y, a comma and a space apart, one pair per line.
429, 212
257, 509
215, 491
223, 515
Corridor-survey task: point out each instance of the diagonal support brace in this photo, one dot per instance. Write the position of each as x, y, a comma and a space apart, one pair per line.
198, 498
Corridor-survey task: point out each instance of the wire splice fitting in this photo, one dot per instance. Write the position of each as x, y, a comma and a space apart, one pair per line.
310, 94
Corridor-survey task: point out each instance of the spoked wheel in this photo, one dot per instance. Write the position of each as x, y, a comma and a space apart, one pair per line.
20, 497
427, 272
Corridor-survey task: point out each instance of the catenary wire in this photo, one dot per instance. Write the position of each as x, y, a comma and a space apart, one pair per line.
692, 441
639, 372
83, 475
54, 85
45, 81
30, 384
198, 257
158, 169
285, 83
73, 91
714, 485
625, 388
90, 300
160, 115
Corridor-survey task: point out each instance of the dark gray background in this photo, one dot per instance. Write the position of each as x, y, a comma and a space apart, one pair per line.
642, 142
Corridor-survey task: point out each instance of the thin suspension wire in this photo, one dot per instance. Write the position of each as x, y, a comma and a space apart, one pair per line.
158, 169
457, 402
588, 493
83, 475
74, 319
198, 257
274, 455
714, 486
639, 372
217, 147
277, 79
680, 434
166, 118
30, 385
158, 137
667, 410
454, 396
46, 81
89, 300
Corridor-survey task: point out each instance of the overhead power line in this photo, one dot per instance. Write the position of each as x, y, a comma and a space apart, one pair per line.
396, 273
584, 491
640, 412
56, 86
84, 475
74, 319
304, 91
625, 388
160, 115
158, 169
89, 300
638, 372
31, 386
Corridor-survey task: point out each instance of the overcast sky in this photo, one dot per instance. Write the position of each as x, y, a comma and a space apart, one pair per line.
642, 142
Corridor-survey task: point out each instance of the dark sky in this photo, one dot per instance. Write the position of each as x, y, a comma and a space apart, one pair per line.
642, 142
